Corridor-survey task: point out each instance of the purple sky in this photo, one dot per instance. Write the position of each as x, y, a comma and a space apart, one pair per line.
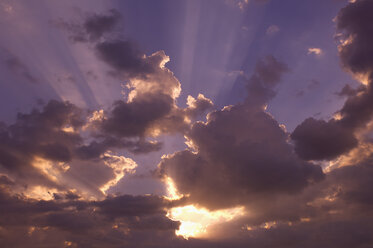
206, 123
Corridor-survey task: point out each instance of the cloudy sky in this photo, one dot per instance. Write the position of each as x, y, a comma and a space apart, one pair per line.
193, 123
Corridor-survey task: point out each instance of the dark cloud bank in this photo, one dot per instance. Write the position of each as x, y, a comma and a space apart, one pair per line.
241, 156
319, 139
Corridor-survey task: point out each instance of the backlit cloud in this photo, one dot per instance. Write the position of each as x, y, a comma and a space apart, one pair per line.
160, 162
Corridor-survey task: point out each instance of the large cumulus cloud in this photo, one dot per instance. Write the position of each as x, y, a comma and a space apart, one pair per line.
241, 153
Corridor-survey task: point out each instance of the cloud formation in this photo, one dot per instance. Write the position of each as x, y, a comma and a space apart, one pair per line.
337, 136
59, 162
92, 28
241, 153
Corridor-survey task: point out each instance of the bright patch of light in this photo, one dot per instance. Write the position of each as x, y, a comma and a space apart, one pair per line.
68, 129
172, 193
314, 50
362, 78
120, 165
52, 170
40, 193
195, 221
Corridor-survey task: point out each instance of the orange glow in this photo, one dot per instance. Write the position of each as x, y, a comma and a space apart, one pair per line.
362, 78
314, 50
68, 129
195, 221
50, 169
40, 193
172, 193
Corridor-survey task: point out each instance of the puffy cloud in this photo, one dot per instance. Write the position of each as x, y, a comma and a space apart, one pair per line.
354, 23
318, 139
59, 148
241, 153
151, 109
48, 150
261, 85
355, 53
150, 106
125, 57
134, 118
40, 134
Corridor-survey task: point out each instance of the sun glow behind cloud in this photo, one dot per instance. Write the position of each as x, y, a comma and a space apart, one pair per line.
194, 220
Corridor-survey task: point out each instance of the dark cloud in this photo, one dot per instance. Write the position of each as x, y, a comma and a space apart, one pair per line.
317, 216
261, 85
95, 148
318, 139
93, 28
150, 106
148, 115
62, 138
52, 149
324, 140
127, 205
241, 153
124, 57
354, 21
348, 91
133, 118
150, 109
337, 136
40, 134
97, 25
113, 222
357, 110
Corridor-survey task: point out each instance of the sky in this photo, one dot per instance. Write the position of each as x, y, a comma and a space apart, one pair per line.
191, 123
